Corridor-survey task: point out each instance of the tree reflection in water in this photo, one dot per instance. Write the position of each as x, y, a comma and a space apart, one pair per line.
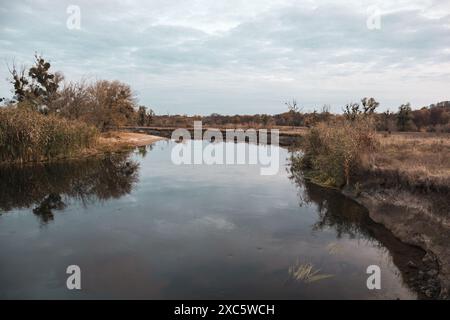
48, 187
346, 217
336, 212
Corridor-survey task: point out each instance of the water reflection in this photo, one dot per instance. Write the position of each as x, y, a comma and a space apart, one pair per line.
49, 187
197, 232
346, 217
334, 210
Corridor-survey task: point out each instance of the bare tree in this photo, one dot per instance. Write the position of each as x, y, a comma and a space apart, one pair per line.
294, 112
292, 106
369, 105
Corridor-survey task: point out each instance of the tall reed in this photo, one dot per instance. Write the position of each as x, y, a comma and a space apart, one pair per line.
27, 135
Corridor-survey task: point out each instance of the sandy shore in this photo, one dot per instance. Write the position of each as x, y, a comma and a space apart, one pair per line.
126, 139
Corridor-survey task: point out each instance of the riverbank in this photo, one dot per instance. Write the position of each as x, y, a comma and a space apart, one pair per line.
411, 218
407, 189
107, 142
116, 141
404, 183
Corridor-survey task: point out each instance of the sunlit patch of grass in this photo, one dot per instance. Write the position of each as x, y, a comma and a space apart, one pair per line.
306, 273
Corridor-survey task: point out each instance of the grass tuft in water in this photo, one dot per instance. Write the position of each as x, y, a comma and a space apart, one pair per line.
306, 273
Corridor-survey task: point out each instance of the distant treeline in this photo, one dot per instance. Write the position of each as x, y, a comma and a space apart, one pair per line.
105, 104
434, 118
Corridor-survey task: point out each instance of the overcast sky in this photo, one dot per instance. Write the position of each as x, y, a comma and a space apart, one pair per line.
227, 56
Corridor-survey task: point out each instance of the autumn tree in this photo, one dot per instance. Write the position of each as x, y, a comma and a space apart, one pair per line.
354, 111
36, 88
111, 104
144, 117
73, 101
404, 117
421, 118
384, 122
265, 119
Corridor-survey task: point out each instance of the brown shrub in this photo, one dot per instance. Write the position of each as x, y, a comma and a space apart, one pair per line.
333, 153
27, 135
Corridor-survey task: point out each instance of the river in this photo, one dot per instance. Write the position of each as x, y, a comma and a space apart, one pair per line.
140, 226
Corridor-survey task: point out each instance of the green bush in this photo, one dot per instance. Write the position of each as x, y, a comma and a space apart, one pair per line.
27, 135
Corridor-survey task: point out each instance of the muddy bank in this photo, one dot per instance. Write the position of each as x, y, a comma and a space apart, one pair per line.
419, 219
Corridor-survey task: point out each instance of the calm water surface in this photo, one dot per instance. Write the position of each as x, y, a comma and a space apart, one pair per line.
141, 227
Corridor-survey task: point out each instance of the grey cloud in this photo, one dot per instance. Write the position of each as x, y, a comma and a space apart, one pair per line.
206, 52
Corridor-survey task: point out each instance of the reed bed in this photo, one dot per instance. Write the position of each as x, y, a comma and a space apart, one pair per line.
27, 136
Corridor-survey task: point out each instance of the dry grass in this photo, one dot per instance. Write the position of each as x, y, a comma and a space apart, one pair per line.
417, 159
333, 248
412, 160
27, 136
306, 273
